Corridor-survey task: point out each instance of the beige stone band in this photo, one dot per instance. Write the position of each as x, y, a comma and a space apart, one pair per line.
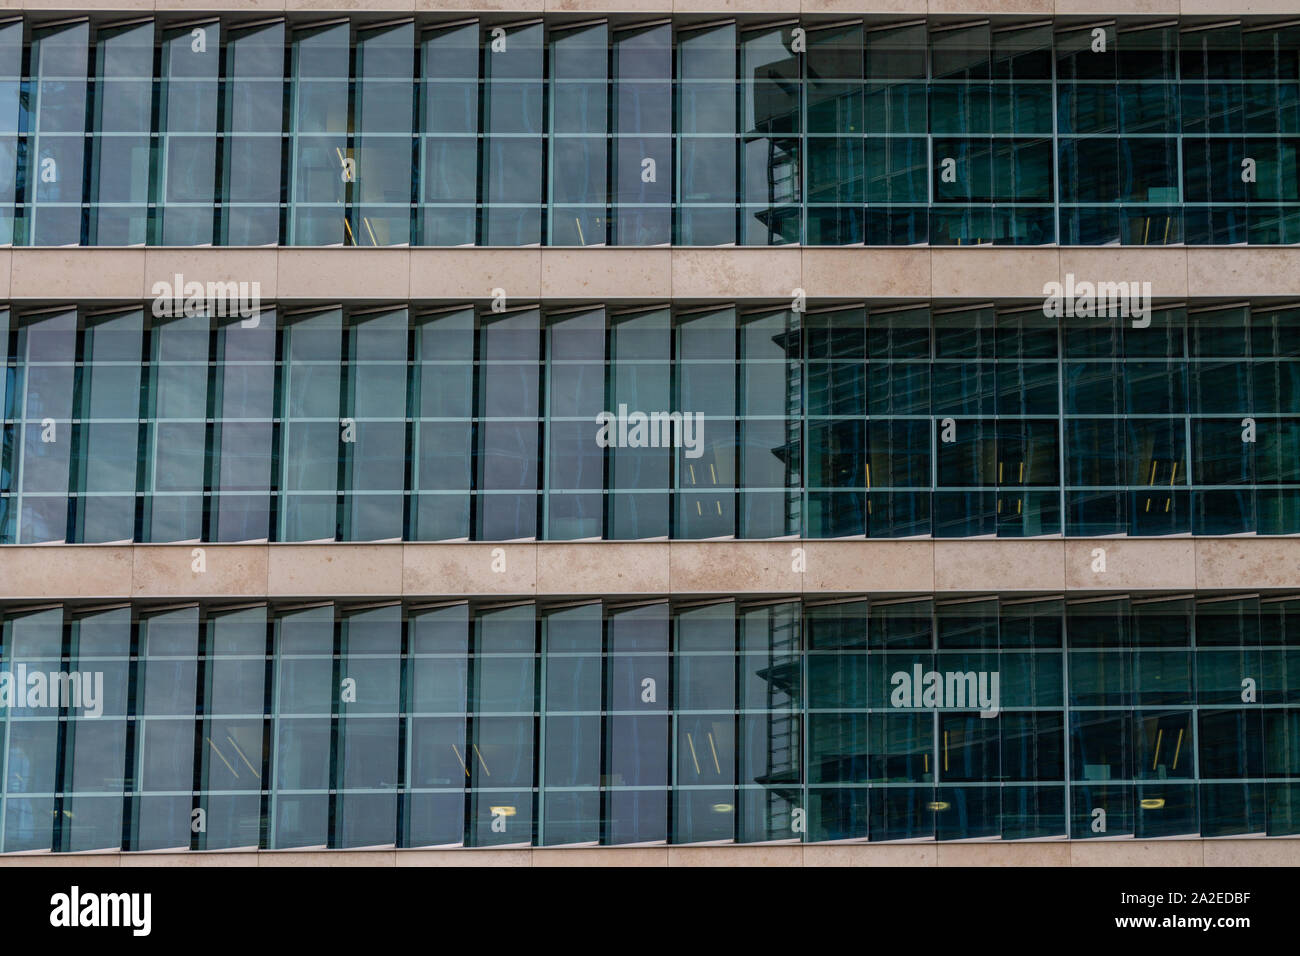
614, 568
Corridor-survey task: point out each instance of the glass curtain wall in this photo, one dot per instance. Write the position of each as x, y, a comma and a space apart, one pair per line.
516, 724
374, 424
650, 133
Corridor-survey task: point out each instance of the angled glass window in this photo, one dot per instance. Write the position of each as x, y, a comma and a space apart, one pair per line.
47, 343
437, 774
310, 420
835, 403
187, 152
575, 399
1021, 74
177, 434
120, 145
960, 96
164, 771
1211, 70
244, 408
367, 733
32, 734
833, 141
896, 70
643, 125
579, 103
321, 163
1086, 68
706, 141
108, 432
56, 135
896, 165
442, 402
94, 746
449, 118
508, 402
769, 736
1148, 100
770, 396
513, 93
771, 184
8, 451
569, 766
305, 688
380, 213
233, 764
705, 794
373, 451
11, 56
1269, 53
705, 449
254, 82
640, 380
637, 732
503, 686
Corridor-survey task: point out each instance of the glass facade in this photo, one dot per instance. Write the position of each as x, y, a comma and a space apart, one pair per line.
458, 724
405, 422
242, 131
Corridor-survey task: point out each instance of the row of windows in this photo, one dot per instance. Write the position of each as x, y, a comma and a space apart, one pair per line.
434, 725
232, 132
390, 423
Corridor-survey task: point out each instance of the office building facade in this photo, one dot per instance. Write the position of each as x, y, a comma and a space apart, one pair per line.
772, 432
